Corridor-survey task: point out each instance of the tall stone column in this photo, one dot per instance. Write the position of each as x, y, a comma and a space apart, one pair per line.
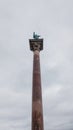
36, 45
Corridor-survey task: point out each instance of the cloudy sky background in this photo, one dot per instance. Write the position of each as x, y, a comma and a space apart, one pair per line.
53, 19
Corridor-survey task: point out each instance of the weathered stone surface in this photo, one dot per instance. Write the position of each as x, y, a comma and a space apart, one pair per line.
37, 112
36, 45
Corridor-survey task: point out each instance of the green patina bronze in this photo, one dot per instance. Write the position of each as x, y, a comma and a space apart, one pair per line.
35, 36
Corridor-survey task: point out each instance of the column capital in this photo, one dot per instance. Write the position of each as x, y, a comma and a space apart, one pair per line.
36, 44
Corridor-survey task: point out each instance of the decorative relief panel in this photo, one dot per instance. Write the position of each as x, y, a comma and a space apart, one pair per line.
36, 46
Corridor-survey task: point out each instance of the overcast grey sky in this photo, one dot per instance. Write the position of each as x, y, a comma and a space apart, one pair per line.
53, 20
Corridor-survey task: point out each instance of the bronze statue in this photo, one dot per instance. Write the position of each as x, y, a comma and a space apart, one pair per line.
35, 36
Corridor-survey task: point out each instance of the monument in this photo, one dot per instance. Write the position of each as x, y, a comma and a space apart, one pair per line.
36, 45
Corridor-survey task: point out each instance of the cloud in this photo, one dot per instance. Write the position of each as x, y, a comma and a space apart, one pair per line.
54, 22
